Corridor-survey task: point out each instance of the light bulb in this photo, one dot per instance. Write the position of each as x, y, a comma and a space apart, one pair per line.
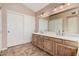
68, 4
55, 9
61, 7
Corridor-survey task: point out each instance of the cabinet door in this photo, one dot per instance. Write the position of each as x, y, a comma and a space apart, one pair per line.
48, 46
64, 50
34, 39
40, 42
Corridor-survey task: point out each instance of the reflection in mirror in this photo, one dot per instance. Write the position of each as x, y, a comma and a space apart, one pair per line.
73, 25
43, 25
55, 25
63, 24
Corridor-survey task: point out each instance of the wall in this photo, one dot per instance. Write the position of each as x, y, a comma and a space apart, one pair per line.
14, 7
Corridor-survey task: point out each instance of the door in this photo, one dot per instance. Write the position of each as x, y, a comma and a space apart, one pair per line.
15, 28
34, 39
40, 41
64, 50
29, 26
48, 45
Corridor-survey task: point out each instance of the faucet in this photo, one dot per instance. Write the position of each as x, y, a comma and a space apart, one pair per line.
62, 32
59, 32
56, 33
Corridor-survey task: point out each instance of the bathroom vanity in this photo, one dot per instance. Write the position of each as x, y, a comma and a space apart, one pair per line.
55, 45
58, 34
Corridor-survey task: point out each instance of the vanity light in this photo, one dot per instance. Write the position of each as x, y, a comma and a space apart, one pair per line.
54, 9
61, 7
44, 14
68, 4
41, 15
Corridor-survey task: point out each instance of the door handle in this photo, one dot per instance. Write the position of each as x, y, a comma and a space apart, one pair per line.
8, 31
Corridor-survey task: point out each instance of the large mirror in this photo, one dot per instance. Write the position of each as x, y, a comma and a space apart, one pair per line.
63, 23
56, 25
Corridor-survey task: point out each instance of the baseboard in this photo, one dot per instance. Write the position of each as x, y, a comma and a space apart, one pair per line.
1, 49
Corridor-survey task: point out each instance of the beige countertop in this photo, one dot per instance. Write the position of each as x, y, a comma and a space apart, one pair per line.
58, 36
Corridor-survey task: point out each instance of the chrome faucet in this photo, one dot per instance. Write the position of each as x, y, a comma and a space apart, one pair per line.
62, 33
59, 32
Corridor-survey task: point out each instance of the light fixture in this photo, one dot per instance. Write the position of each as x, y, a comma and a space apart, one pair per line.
68, 4
44, 14
41, 15
61, 7
54, 9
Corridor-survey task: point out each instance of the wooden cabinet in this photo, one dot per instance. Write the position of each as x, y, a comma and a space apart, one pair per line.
48, 46
70, 43
55, 46
34, 39
40, 42
37, 40
64, 50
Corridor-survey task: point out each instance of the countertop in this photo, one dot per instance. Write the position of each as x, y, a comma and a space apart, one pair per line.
61, 37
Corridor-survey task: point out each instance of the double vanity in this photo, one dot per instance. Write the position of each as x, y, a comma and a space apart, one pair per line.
58, 34
56, 45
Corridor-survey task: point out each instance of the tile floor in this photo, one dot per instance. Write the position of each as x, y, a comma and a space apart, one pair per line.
24, 50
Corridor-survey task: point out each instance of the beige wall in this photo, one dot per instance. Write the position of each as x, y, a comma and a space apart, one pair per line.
14, 7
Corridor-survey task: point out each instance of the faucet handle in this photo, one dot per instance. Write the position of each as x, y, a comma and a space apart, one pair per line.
62, 32
59, 32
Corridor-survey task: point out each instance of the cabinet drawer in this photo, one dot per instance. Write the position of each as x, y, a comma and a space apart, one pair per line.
70, 43
46, 37
57, 40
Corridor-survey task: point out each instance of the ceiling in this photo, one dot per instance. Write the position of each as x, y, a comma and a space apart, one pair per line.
36, 6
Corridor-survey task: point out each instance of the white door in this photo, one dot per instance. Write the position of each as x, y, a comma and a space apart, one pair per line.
29, 26
0, 31
15, 28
